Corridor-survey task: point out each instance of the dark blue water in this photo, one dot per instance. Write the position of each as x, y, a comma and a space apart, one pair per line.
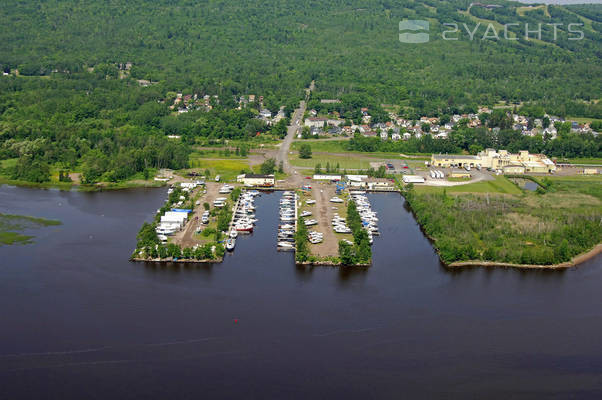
80, 321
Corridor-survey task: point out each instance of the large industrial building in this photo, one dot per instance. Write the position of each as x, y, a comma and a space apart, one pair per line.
499, 160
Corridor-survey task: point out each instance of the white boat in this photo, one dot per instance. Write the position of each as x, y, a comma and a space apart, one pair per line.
310, 202
287, 227
336, 200
230, 243
244, 227
311, 222
165, 231
305, 213
233, 234
286, 245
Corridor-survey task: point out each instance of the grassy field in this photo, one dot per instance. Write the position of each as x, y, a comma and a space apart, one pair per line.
511, 225
522, 10
263, 141
589, 185
214, 153
345, 162
592, 161
583, 120
227, 169
11, 227
332, 146
499, 185
338, 146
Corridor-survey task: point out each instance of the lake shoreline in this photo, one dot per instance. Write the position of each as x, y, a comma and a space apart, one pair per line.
68, 186
179, 260
326, 263
575, 261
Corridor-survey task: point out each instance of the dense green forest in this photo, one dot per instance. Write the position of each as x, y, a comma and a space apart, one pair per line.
473, 140
67, 101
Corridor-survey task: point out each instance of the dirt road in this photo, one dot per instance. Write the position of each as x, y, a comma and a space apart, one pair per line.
323, 212
186, 237
293, 130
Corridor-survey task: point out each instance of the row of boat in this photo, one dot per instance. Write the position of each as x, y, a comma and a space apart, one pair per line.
226, 189
315, 237
243, 218
286, 227
369, 218
339, 224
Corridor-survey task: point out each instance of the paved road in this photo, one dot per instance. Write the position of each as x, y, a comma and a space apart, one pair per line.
293, 129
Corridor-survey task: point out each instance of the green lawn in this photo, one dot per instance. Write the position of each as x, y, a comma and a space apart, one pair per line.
499, 185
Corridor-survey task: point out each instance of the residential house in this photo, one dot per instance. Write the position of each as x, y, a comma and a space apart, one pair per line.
315, 122
335, 130
316, 130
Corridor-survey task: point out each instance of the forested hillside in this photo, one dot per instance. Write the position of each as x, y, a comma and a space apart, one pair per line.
67, 92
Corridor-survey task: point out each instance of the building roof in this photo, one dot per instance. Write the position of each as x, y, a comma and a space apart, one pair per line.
258, 176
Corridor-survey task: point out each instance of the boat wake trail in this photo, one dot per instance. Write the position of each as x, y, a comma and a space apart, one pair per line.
176, 342
344, 331
56, 353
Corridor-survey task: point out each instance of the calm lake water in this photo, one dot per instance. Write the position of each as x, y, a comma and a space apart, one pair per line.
81, 322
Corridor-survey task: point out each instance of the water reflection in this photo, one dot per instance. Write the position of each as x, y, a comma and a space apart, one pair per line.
405, 322
171, 267
349, 275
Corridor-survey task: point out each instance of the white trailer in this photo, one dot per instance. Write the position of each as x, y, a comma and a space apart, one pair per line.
413, 179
